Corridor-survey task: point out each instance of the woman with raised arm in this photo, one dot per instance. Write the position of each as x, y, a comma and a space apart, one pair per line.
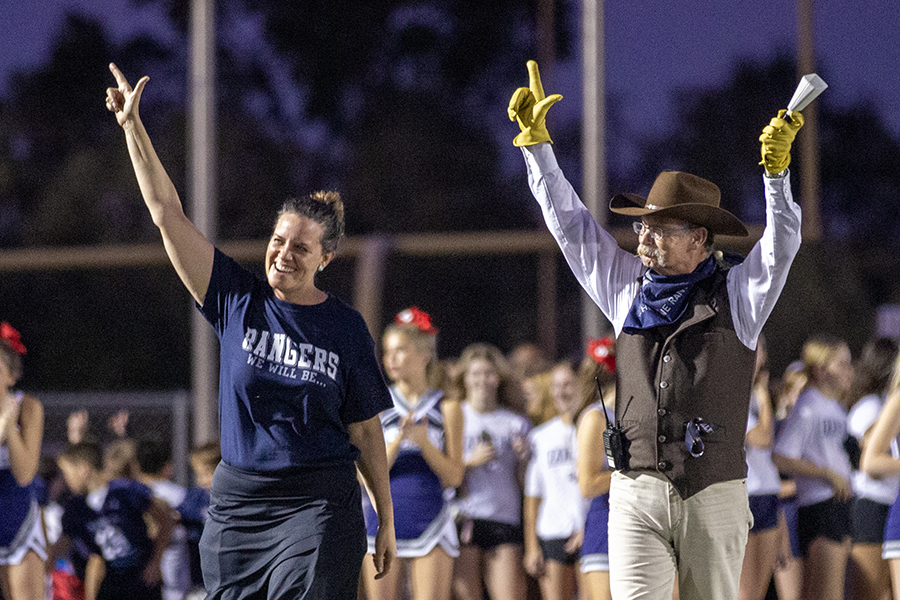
300, 391
424, 434
23, 548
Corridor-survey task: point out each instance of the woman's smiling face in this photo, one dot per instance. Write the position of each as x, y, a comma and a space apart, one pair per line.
293, 256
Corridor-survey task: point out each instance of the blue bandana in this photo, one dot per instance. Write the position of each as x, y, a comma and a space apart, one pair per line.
663, 299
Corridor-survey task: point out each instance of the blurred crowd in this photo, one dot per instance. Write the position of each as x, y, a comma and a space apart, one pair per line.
498, 477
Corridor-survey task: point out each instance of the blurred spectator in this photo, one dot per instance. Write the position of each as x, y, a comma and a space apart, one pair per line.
526, 360
538, 401
105, 523
763, 486
867, 572
195, 505
495, 452
597, 372
22, 543
810, 447
880, 458
154, 461
554, 510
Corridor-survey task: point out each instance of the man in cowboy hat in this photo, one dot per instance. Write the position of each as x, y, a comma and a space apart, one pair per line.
686, 324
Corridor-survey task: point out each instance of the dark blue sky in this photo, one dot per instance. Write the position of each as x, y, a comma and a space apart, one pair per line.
653, 46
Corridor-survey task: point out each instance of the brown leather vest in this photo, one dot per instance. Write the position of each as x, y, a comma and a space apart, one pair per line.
668, 375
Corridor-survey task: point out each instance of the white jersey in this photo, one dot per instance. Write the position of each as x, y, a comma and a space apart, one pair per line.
552, 476
176, 562
862, 416
815, 430
492, 490
762, 474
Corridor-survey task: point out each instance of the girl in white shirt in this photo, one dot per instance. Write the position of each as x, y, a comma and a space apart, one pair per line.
873, 496
810, 448
495, 451
879, 460
554, 507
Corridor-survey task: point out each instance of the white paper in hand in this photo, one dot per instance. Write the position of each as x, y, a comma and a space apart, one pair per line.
808, 89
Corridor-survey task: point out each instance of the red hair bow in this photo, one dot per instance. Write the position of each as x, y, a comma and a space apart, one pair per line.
603, 351
416, 317
9, 335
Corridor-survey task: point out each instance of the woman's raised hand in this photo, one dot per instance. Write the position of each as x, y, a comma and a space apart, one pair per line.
123, 100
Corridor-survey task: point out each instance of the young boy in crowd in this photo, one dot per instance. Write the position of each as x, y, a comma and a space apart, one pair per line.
104, 525
193, 508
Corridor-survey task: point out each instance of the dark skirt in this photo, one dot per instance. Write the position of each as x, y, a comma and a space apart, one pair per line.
273, 536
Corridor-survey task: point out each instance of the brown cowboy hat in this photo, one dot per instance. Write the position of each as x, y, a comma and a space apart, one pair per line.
682, 196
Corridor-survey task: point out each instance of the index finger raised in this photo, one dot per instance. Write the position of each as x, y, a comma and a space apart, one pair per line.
120, 78
534, 80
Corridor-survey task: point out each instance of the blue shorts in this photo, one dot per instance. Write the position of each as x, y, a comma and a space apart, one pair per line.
765, 512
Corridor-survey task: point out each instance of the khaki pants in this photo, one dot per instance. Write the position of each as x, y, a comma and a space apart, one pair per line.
654, 534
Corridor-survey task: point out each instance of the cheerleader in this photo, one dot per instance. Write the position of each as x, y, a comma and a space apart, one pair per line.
495, 453
554, 510
810, 448
423, 432
880, 459
22, 543
593, 473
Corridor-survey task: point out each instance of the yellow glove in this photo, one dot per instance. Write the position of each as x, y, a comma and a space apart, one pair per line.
776, 140
529, 107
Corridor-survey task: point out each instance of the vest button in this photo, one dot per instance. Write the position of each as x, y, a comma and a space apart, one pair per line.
664, 384
661, 439
666, 358
661, 412
662, 465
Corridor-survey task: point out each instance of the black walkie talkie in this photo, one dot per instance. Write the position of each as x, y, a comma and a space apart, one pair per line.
613, 441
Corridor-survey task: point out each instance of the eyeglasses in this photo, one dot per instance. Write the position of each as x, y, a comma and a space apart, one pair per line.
656, 233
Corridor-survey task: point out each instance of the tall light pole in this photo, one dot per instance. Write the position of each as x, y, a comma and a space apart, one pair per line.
809, 135
593, 136
202, 192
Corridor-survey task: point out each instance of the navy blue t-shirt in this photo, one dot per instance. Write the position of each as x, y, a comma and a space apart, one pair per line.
115, 529
291, 377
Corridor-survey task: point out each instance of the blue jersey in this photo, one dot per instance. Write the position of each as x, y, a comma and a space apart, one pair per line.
292, 377
110, 523
416, 490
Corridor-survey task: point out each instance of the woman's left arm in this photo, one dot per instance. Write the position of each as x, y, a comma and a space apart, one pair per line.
372, 464
24, 441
